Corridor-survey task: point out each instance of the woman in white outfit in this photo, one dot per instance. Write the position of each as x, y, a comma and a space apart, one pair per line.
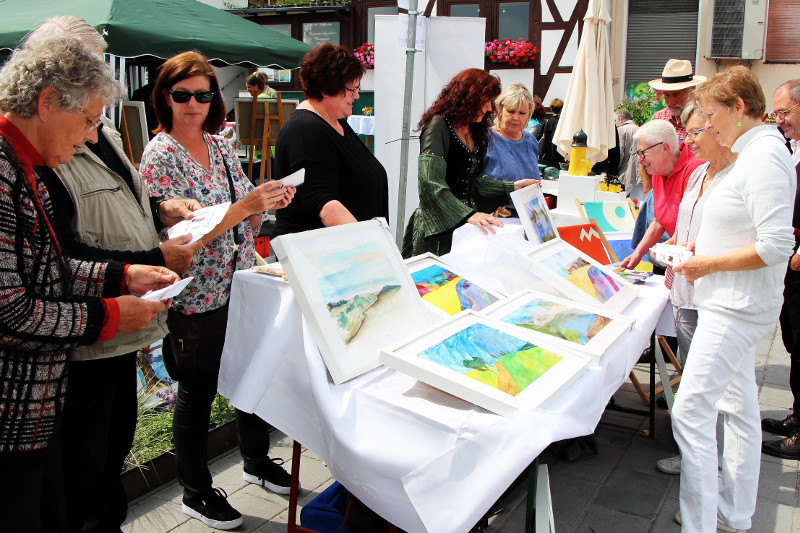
742, 247
705, 146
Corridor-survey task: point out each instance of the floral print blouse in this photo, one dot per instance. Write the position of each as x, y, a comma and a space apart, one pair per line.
171, 172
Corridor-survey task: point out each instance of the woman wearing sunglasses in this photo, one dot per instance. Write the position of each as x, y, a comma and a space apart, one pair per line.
343, 182
185, 161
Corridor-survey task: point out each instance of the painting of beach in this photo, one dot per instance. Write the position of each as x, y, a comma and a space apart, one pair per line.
450, 292
492, 357
361, 291
558, 320
587, 277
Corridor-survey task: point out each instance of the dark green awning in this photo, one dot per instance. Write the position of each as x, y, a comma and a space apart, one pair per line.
161, 28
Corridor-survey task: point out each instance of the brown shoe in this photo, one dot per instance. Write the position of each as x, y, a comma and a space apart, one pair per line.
781, 427
787, 448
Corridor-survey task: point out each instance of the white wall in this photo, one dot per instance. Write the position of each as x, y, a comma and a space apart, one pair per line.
453, 44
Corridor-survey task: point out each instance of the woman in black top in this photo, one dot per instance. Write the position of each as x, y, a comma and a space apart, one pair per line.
344, 182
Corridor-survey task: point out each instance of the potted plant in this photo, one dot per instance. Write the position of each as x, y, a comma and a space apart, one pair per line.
366, 54
514, 53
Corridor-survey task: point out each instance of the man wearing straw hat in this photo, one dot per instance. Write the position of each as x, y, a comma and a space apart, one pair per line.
676, 83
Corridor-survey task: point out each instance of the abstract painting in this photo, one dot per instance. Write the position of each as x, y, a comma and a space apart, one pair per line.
585, 326
579, 276
534, 214
354, 291
447, 289
610, 216
494, 365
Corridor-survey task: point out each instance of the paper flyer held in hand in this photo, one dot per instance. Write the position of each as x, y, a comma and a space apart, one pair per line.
202, 223
167, 292
671, 254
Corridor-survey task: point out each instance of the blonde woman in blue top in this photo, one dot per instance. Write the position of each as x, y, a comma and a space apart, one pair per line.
513, 153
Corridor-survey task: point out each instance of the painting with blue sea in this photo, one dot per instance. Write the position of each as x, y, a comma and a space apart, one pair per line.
358, 284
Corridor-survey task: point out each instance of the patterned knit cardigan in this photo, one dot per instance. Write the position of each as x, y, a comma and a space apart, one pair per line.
48, 304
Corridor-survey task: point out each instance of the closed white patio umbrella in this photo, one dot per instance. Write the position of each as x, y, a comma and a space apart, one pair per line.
588, 105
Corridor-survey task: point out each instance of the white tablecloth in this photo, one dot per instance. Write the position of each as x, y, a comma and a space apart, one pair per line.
362, 124
424, 460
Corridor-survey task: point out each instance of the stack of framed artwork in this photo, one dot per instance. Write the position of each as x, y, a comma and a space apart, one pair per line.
442, 325
497, 366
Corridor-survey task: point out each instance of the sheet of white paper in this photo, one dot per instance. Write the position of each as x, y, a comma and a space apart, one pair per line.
402, 31
167, 292
295, 178
204, 220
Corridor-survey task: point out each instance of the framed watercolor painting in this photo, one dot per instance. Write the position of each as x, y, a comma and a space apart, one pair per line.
588, 328
447, 289
534, 214
497, 366
578, 276
354, 291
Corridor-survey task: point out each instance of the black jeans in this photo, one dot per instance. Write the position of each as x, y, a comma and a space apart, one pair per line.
99, 424
790, 331
190, 434
32, 491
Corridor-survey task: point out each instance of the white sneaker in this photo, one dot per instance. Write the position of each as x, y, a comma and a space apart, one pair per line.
671, 465
722, 527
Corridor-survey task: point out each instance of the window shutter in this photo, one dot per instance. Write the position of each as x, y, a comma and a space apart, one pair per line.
783, 37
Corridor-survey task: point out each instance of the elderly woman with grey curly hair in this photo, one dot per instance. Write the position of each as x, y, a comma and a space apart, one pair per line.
51, 97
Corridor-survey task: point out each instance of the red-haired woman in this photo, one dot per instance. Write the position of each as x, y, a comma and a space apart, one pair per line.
452, 189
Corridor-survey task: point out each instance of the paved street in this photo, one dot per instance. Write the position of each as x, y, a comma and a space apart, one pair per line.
620, 490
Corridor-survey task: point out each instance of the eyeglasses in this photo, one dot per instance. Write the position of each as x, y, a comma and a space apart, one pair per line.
201, 97
692, 134
782, 114
641, 154
91, 123
353, 91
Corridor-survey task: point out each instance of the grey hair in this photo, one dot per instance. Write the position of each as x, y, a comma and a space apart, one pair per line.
793, 87
62, 62
623, 114
658, 131
70, 25
513, 96
691, 109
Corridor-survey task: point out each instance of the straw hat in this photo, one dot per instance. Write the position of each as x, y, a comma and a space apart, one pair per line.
677, 75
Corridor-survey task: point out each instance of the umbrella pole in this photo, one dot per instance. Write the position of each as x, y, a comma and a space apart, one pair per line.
410, 50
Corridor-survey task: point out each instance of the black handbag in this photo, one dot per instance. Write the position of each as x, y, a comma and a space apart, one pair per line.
193, 349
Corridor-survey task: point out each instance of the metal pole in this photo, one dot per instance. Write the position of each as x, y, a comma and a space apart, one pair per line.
410, 50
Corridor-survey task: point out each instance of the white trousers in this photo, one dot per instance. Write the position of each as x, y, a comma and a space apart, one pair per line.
719, 379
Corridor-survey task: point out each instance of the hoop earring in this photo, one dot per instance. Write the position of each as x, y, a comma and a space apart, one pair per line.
738, 123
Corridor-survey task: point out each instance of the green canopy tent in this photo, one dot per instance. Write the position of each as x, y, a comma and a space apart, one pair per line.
159, 28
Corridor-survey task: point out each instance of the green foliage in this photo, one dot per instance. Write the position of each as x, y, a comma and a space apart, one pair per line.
641, 106
154, 427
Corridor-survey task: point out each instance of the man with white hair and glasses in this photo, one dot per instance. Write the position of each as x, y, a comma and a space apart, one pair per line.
670, 164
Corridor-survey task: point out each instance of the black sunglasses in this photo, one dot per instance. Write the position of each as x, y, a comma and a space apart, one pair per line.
181, 97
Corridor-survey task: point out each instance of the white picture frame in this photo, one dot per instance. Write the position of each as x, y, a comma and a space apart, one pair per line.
587, 328
534, 214
569, 269
459, 293
431, 356
354, 291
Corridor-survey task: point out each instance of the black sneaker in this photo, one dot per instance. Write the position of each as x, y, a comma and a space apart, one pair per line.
270, 475
212, 508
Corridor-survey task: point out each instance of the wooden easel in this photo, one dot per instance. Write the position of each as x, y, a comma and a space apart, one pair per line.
260, 111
